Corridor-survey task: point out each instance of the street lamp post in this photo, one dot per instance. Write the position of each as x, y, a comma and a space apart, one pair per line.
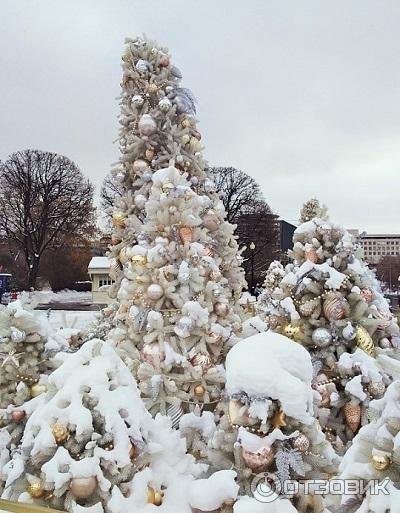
252, 248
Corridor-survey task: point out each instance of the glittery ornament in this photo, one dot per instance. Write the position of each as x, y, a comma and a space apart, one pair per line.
36, 489
186, 233
118, 219
321, 337
376, 389
364, 341
260, 460
291, 331
352, 414
199, 391
60, 433
202, 360
301, 443
334, 308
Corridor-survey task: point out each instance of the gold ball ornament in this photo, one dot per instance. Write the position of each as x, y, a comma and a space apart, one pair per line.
36, 489
152, 88
186, 123
60, 433
83, 487
291, 331
118, 219
37, 389
154, 496
199, 391
381, 462
364, 341
139, 260
259, 460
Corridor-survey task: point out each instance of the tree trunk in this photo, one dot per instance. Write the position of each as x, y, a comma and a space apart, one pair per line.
33, 273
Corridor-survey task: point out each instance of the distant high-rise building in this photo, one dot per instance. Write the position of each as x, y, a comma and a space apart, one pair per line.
376, 246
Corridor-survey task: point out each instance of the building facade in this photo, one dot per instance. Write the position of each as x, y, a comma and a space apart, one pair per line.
377, 246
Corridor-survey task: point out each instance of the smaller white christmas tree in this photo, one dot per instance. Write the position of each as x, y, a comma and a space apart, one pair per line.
27, 344
270, 427
92, 445
373, 459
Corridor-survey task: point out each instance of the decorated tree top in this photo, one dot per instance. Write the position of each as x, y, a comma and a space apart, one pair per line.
92, 445
175, 258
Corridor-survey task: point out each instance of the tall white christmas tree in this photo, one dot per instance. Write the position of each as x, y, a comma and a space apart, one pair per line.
91, 445
330, 301
270, 430
175, 259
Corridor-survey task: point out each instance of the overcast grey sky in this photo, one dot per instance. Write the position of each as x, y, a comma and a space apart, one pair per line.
301, 94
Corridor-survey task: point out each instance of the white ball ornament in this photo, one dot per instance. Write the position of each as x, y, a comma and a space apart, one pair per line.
141, 66
140, 201
140, 166
155, 292
164, 105
137, 100
321, 337
147, 125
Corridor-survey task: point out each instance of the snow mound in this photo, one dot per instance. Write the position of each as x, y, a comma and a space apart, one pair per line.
269, 365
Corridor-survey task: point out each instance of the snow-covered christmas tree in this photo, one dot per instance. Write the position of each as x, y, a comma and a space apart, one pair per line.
270, 427
26, 346
92, 446
330, 301
373, 460
175, 262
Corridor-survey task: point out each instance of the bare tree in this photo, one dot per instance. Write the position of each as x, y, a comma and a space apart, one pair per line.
44, 199
239, 192
110, 190
257, 226
388, 271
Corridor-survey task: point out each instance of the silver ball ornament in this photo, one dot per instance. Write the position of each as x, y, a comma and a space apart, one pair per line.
147, 125
321, 337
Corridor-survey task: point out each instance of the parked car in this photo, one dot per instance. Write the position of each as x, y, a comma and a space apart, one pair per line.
9, 297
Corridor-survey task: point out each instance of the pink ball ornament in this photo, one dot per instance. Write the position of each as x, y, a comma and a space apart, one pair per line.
155, 292
211, 221
221, 309
367, 294
311, 255
259, 460
164, 61
18, 415
152, 353
83, 487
